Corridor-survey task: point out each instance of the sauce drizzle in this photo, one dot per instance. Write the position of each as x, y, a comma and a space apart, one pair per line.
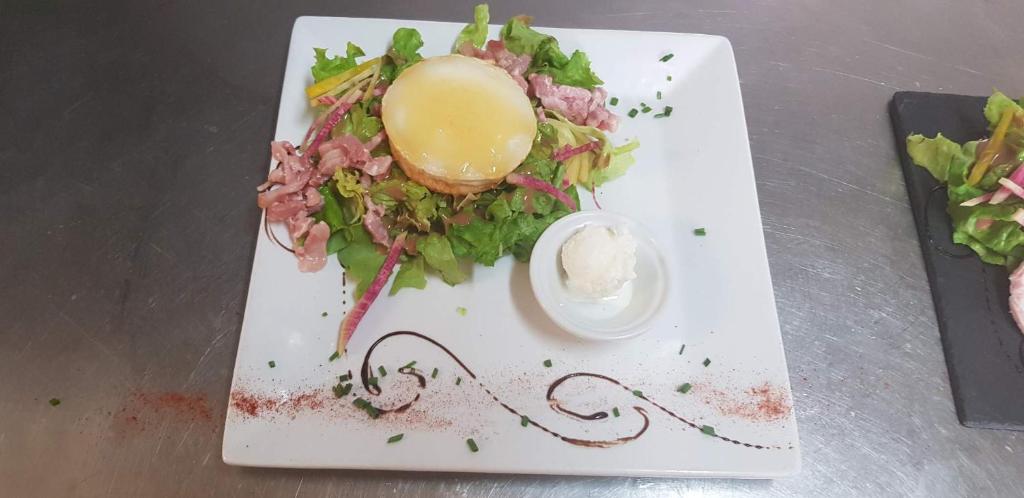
365, 373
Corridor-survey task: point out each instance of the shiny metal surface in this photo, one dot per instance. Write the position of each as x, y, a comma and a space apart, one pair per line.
132, 135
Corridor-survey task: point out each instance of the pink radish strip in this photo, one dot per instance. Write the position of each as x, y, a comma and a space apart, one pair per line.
568, 152
543, 186
593, 195
1012, 187
978, 200
327, 99
329, 125
983, 223
352, 319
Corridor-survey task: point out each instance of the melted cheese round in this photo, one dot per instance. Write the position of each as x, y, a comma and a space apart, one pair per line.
459, 120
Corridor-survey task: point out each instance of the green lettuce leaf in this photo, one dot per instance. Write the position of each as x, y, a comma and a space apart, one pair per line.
621, 160
1002, 243
937, 154
520, 38
412, 274
346, 181
547, 57
338, 241
325, 67
361, 260
512, 224
359, 123
404, 52
995, 106
572, 71
331, 212
437, 251
475, 32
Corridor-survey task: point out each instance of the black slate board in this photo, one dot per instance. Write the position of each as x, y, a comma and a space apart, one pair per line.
984, 348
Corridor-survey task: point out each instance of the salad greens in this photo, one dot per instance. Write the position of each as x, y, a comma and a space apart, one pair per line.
972, 173
382, 225
325, 68
547, 57
446, 233
475, 32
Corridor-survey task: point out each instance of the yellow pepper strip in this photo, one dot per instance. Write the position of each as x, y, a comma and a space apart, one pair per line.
981, 167
354, 83
328, 84
373, 83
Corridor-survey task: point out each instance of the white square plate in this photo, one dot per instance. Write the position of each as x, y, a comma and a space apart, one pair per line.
693, 170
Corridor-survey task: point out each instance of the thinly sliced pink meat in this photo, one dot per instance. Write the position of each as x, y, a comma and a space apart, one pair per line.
356, 314
495, 51
373, 221
312, 253
1017, 296
542, 186
579, 105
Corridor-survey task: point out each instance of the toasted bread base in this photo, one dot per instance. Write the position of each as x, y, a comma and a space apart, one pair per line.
436, 184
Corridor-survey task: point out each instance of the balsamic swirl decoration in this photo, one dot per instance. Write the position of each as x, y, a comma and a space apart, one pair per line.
366, 370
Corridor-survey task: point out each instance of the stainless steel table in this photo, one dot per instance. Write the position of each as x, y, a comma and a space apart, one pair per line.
132, 134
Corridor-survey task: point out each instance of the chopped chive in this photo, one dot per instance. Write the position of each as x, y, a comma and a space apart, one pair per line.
372, 381
707, 429
707, 361
667, 57
341, 390
685, 388
272, 363
700, 232
658, 95
660, 115
396, 438
364, 405
461, 311
547, 363
615, 411
54, 401
345, 378
383, 371
638, 393
458, 381
632, 113
646, 109
410, 364
614, 101
472, 445
323, 314
669, 77
524, 421
433, 375
667, 111
682, 348
334, 356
